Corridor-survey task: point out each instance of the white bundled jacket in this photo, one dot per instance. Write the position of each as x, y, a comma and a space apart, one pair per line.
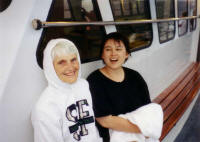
64, 112
148, 118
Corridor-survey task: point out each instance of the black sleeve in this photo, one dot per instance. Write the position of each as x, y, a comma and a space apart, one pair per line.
101, 105
144, 89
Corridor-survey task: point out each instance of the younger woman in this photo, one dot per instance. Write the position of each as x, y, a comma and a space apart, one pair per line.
116, 89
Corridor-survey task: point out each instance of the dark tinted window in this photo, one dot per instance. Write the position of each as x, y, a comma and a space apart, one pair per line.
139, 35
86, 38
165, 9
193, 12
182, 12
4, 4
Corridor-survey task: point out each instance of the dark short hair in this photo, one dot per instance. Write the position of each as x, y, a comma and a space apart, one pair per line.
117, 37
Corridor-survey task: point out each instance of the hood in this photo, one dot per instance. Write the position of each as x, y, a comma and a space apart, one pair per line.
48, 67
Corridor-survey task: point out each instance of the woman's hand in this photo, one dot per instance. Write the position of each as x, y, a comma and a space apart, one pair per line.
118, 123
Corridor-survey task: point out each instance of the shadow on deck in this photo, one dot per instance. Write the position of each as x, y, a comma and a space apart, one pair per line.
191, 129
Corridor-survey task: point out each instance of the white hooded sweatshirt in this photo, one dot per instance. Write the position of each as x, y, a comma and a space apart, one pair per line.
64, 112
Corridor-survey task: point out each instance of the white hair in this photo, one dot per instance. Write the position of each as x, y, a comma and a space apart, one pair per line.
63, 48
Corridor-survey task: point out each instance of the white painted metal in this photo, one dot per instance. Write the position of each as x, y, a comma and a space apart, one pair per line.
19, 71
22, 81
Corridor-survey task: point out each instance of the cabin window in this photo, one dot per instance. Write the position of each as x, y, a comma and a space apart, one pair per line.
182, 12
4, 4
193, 12
165, 9
86, 38
139, 35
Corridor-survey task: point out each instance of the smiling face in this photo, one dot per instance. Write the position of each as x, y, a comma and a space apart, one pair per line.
114, 54
67, 67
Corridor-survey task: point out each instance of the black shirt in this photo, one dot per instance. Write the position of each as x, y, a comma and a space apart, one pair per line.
114, 98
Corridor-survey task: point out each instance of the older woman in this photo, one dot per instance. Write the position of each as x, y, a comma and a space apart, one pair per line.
64, 112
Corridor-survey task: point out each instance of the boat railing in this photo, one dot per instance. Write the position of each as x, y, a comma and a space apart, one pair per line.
38, 24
